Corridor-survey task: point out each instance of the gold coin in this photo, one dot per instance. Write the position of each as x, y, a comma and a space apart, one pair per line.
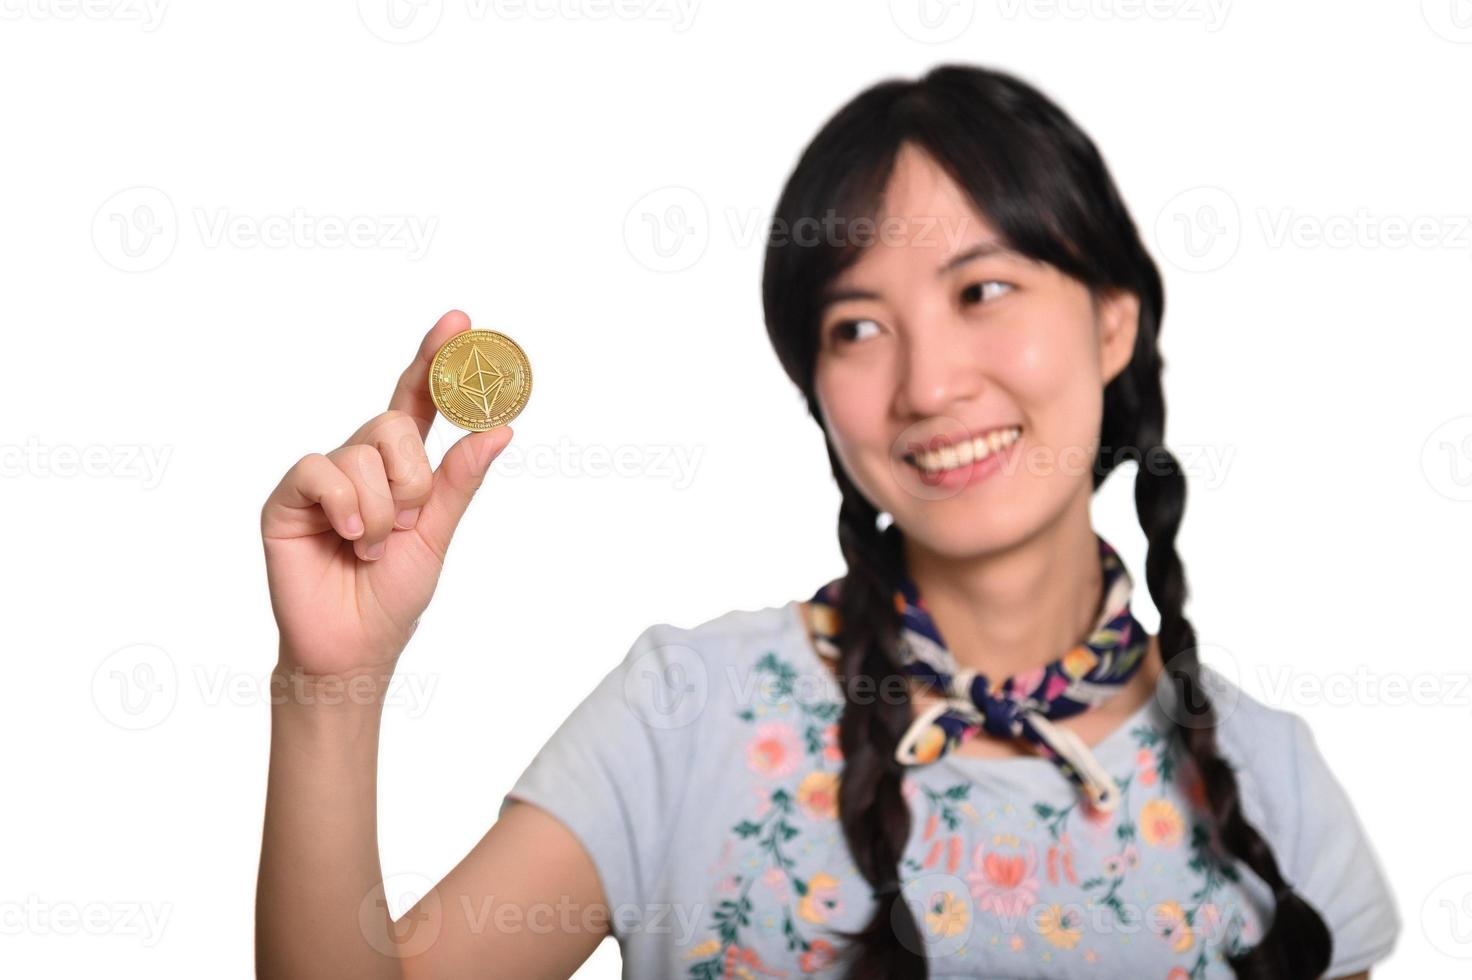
480, 379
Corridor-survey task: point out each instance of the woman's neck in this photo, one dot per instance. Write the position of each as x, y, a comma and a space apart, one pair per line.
1012, 611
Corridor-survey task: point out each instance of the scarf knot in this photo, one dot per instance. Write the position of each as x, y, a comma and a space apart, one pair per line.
1024, 705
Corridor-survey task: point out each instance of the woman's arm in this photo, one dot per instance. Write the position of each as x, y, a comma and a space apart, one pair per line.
319, 852
526, 899
354, 542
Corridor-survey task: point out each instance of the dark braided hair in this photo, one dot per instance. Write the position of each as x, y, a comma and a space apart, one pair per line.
1042, 185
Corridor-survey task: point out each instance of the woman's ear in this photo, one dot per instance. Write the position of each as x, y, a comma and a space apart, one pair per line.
1118, 316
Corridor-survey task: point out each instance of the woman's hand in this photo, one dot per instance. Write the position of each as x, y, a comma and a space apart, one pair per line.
355, 539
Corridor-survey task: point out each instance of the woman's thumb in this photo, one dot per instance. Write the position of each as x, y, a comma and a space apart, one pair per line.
459, 476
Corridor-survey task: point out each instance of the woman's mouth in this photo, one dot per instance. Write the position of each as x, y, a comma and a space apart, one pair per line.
963, 463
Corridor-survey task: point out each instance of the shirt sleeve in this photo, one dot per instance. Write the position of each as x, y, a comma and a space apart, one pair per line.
615, 770
1334, 866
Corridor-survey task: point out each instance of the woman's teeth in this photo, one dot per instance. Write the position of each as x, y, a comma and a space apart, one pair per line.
950, 457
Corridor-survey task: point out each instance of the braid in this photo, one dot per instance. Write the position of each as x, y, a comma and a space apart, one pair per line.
872, 809
1298, 945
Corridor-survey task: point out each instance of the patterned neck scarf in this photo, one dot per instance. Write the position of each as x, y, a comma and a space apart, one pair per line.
1022, 705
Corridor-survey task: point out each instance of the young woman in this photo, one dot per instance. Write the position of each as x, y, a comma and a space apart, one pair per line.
964, 756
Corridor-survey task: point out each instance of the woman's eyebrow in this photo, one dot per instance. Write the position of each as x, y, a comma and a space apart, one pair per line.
831, 296
977, 251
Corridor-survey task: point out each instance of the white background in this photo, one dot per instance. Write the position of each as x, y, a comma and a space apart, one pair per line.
157, 383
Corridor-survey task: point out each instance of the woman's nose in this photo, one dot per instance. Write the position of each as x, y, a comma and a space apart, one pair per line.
938, 371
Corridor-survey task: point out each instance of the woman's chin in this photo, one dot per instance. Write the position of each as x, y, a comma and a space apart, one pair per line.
960, 528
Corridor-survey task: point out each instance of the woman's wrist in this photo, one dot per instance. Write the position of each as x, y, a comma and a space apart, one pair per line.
352, 691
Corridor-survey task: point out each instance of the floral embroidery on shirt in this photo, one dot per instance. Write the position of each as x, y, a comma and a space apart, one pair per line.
780, 749
792, 752
1160, 825
950, 808
1007, 873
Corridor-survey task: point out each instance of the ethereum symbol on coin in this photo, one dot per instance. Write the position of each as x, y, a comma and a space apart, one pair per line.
481, 381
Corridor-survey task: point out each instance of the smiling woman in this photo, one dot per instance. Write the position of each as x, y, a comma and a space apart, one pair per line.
1037, 314
963, 757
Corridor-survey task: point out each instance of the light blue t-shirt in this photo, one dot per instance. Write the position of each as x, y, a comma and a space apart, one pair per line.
701, 776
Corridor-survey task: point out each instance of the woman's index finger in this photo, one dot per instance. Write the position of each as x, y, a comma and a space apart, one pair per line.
411, 394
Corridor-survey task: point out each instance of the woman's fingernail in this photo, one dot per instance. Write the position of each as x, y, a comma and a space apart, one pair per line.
353, 525
407, 517
374, 551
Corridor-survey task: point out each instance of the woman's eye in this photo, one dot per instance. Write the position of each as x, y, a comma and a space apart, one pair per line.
843, 330
978, 292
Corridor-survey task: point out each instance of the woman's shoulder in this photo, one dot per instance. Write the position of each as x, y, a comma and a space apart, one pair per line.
1290, 785
726, 666
1293, 791
1266, 744
1256, 735
744, 625
740, 638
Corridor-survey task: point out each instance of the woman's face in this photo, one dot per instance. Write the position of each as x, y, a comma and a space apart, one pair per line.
924, 347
